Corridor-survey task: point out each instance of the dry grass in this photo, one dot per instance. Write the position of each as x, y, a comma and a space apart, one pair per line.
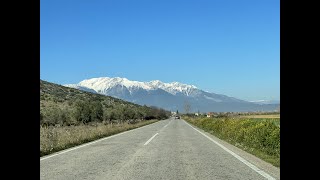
54, 139
262, 116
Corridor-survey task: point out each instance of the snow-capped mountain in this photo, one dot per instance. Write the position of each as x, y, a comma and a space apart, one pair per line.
103, 84
171, 96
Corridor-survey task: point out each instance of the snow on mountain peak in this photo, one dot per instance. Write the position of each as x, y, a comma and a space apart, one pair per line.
102, 84
105, 83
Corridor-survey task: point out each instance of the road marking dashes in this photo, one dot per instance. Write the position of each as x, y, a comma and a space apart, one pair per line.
151, 139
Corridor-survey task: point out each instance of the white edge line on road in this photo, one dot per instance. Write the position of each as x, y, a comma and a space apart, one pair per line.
151, 139
264, 174
86, 144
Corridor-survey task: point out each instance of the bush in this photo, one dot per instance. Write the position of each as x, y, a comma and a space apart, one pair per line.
96, 111
82, 112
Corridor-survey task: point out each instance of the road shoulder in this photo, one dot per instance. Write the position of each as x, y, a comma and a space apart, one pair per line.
265, 166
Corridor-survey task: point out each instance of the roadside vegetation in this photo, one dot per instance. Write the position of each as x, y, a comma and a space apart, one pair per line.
69, 117
258, 136
53, 139
274, 116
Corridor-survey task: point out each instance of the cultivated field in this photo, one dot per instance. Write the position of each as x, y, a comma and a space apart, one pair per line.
262, 116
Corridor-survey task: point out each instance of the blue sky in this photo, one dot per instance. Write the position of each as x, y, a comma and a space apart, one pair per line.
228, 47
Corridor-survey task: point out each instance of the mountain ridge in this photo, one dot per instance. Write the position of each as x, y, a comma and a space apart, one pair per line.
171, 96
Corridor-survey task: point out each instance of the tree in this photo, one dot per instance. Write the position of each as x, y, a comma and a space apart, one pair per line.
53, 116
128, 113
110, 115
162, 114
96, 111
82, 111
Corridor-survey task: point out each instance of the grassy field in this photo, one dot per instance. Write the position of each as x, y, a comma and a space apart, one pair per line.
53, 139
274, 116
276, 121
258, 136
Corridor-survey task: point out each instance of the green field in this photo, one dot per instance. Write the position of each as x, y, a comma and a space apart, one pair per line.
276, 121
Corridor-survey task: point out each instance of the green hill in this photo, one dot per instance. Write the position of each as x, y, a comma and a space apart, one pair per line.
61, 105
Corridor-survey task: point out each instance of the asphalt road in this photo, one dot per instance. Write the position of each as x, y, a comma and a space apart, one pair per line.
168, 149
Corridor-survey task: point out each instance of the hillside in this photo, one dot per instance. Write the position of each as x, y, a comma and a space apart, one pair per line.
68, 106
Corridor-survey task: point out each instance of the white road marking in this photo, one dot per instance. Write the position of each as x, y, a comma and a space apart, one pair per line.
151, 139
264, 174
167, 124
164, 126
86, 144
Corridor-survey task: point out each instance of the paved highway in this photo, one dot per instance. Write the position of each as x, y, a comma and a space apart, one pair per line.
168, 149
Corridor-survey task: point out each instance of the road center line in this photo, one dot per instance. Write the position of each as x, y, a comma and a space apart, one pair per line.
256, 169
167, 124
151, 139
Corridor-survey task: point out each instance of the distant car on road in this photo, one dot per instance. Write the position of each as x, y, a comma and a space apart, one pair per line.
177, 117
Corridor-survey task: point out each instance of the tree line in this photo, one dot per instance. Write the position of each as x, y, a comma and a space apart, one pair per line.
88, 111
